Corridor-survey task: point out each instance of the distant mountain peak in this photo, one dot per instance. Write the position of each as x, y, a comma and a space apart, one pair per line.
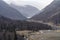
26, 10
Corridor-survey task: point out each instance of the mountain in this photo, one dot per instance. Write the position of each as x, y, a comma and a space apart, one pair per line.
9, 12
50, 13
27, 10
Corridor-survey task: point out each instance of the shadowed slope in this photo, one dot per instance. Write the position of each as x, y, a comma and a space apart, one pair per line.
10, 12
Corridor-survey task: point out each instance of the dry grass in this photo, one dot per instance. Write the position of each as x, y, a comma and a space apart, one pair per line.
41, 35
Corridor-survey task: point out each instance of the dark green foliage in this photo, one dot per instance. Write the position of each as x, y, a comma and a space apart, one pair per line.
24, 25
12, 25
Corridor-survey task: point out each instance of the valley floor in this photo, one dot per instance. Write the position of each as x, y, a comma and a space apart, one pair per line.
41, 35
31, 35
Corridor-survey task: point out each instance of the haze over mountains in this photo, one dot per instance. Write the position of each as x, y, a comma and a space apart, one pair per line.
50, 13
32, 7
9, 12
27, 10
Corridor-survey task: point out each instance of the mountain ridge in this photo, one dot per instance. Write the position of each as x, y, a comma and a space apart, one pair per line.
49, 12
10, 12
27, 10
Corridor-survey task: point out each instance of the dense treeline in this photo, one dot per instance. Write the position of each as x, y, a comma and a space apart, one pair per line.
33, 26
8, 24
24, 26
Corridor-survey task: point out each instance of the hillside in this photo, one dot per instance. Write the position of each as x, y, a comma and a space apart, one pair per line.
7, 11
50, 13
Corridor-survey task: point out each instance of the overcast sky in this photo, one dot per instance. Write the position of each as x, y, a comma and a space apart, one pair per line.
40, 4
